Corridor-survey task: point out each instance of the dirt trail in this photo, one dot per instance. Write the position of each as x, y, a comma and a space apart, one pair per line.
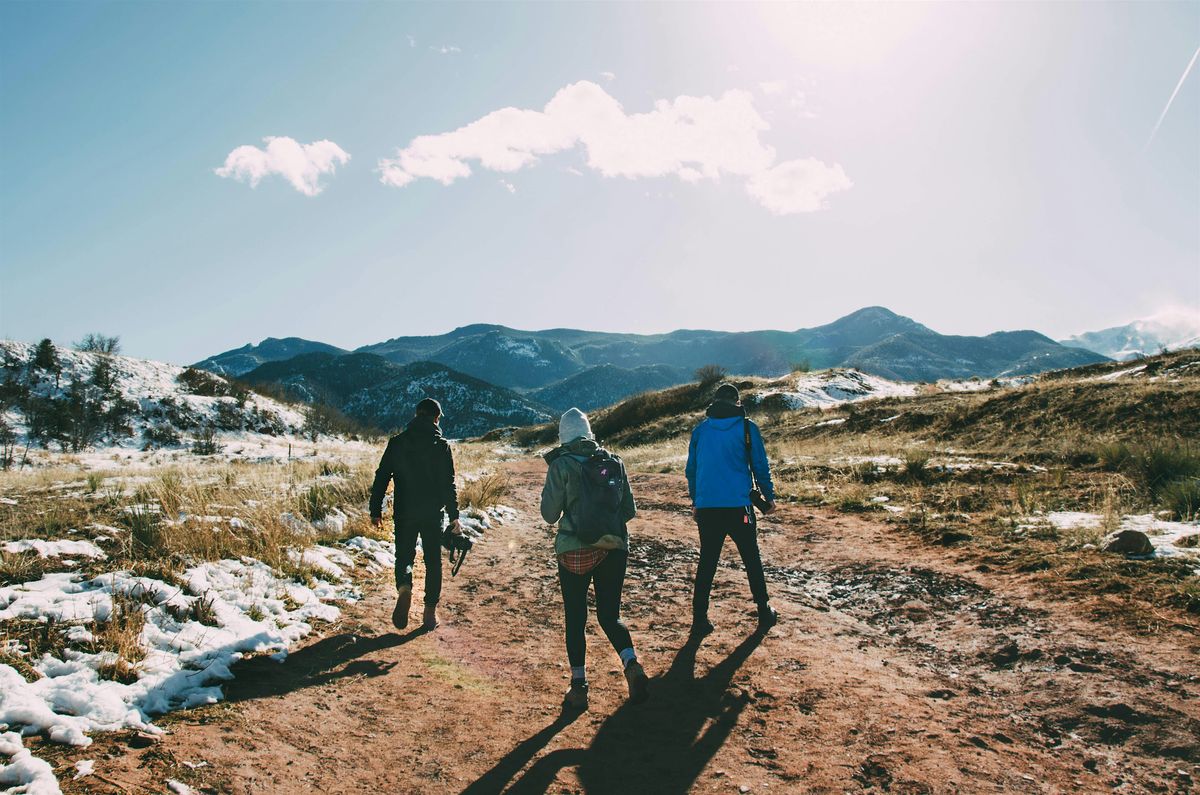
895, 669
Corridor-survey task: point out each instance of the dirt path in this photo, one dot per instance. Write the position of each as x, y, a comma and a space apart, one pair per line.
895, 669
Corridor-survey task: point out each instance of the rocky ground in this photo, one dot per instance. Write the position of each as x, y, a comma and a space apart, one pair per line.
897, 668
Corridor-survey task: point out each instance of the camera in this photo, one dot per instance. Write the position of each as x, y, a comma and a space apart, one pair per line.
459, 546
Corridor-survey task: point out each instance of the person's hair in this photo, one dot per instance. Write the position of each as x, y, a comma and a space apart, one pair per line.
429, 408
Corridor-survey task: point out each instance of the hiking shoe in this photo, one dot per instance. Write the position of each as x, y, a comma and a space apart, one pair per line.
639, 683
767, 618
403, 602
701, 626
431, 619
577, 696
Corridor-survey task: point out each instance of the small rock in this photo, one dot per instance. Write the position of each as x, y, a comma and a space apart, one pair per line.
143, 740
744, 788
1130, 542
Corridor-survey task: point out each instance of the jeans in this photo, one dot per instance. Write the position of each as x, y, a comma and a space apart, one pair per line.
609, 578
714, 525
430, 533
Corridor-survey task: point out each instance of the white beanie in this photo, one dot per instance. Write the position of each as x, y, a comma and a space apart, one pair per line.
572, 425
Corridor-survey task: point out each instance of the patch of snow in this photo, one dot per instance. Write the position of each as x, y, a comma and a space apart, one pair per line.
834, 387
178, 787
1163, 534
84, 767
255, 610
1114, 375
56, 549
24, 772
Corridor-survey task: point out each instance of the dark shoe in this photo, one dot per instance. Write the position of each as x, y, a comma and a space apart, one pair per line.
403, 602
577, 696
701, 626
639, 683
767, 618
430, 620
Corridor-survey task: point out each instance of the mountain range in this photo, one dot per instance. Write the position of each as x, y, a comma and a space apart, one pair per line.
381, 394
496, 374
1170, 330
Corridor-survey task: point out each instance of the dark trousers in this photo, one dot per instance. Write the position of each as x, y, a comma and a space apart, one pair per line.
738, 524
609, 578
430, 533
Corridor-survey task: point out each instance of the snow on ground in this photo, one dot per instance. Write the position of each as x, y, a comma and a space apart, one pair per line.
1163, 534
1114, 375
24, 772
833, 387
56, 549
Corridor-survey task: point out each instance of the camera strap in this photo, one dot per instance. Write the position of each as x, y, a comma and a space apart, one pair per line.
457, 564
749, 463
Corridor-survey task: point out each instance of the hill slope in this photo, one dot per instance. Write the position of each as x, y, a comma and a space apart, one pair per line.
381, 394
244, 359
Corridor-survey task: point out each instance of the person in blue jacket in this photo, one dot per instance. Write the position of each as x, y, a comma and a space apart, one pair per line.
719, 485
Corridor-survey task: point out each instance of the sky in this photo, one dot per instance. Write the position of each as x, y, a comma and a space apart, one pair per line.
196, 176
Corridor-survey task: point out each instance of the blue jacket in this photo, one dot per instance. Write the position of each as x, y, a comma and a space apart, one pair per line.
716, 471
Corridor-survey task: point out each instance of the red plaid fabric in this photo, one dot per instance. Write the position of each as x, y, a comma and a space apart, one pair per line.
581, 561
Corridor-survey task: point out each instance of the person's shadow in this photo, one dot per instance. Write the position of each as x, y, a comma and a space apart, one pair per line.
660, 746
327, 660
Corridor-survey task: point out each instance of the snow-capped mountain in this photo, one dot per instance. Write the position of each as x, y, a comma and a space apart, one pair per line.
1170, 330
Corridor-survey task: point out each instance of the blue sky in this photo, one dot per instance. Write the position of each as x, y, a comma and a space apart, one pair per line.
974, 166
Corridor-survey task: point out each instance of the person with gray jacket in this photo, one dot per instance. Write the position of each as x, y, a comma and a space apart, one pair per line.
581, 564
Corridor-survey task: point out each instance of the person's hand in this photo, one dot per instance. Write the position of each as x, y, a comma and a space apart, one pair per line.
455, 528
376, 521
771, 508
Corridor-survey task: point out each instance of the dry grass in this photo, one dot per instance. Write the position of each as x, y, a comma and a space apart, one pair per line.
485, 490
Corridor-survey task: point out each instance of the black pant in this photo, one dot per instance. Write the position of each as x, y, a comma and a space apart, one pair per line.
738, 524
609, 578
430, 532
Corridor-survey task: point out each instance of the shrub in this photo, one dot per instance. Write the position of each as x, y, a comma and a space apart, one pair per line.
317, 502
709, 374
1182, 498
99, 343
146, 536
161, 436
206, 442
1114, 456
1160, 464
485, 491
802, 366
200, 382
914, 467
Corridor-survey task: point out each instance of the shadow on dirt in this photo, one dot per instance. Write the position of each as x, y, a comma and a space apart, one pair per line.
658, 747
327, 660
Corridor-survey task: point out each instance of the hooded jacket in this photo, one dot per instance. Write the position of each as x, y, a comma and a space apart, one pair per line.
717, 474
562, 489
420, 462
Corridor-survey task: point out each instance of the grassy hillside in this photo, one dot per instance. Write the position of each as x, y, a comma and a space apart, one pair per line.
1027, 474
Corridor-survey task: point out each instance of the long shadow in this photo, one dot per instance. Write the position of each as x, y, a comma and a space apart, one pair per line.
658, 747
327, 660
495, 780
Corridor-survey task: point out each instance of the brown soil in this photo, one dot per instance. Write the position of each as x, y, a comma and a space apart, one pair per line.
896, 668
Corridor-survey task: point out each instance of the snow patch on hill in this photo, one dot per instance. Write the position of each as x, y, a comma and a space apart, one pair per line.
834, 387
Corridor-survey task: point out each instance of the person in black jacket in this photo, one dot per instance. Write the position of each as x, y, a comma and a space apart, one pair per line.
420, 462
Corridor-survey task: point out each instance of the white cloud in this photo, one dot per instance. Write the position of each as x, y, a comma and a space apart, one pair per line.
609, 76
447, 49
692, 138
412, 42
511, 188
797, 186
300, 164
772, 87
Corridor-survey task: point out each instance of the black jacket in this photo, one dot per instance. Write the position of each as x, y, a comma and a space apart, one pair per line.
420, 462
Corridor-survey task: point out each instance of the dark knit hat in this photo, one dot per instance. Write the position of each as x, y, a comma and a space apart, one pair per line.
727, 393
429, 407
